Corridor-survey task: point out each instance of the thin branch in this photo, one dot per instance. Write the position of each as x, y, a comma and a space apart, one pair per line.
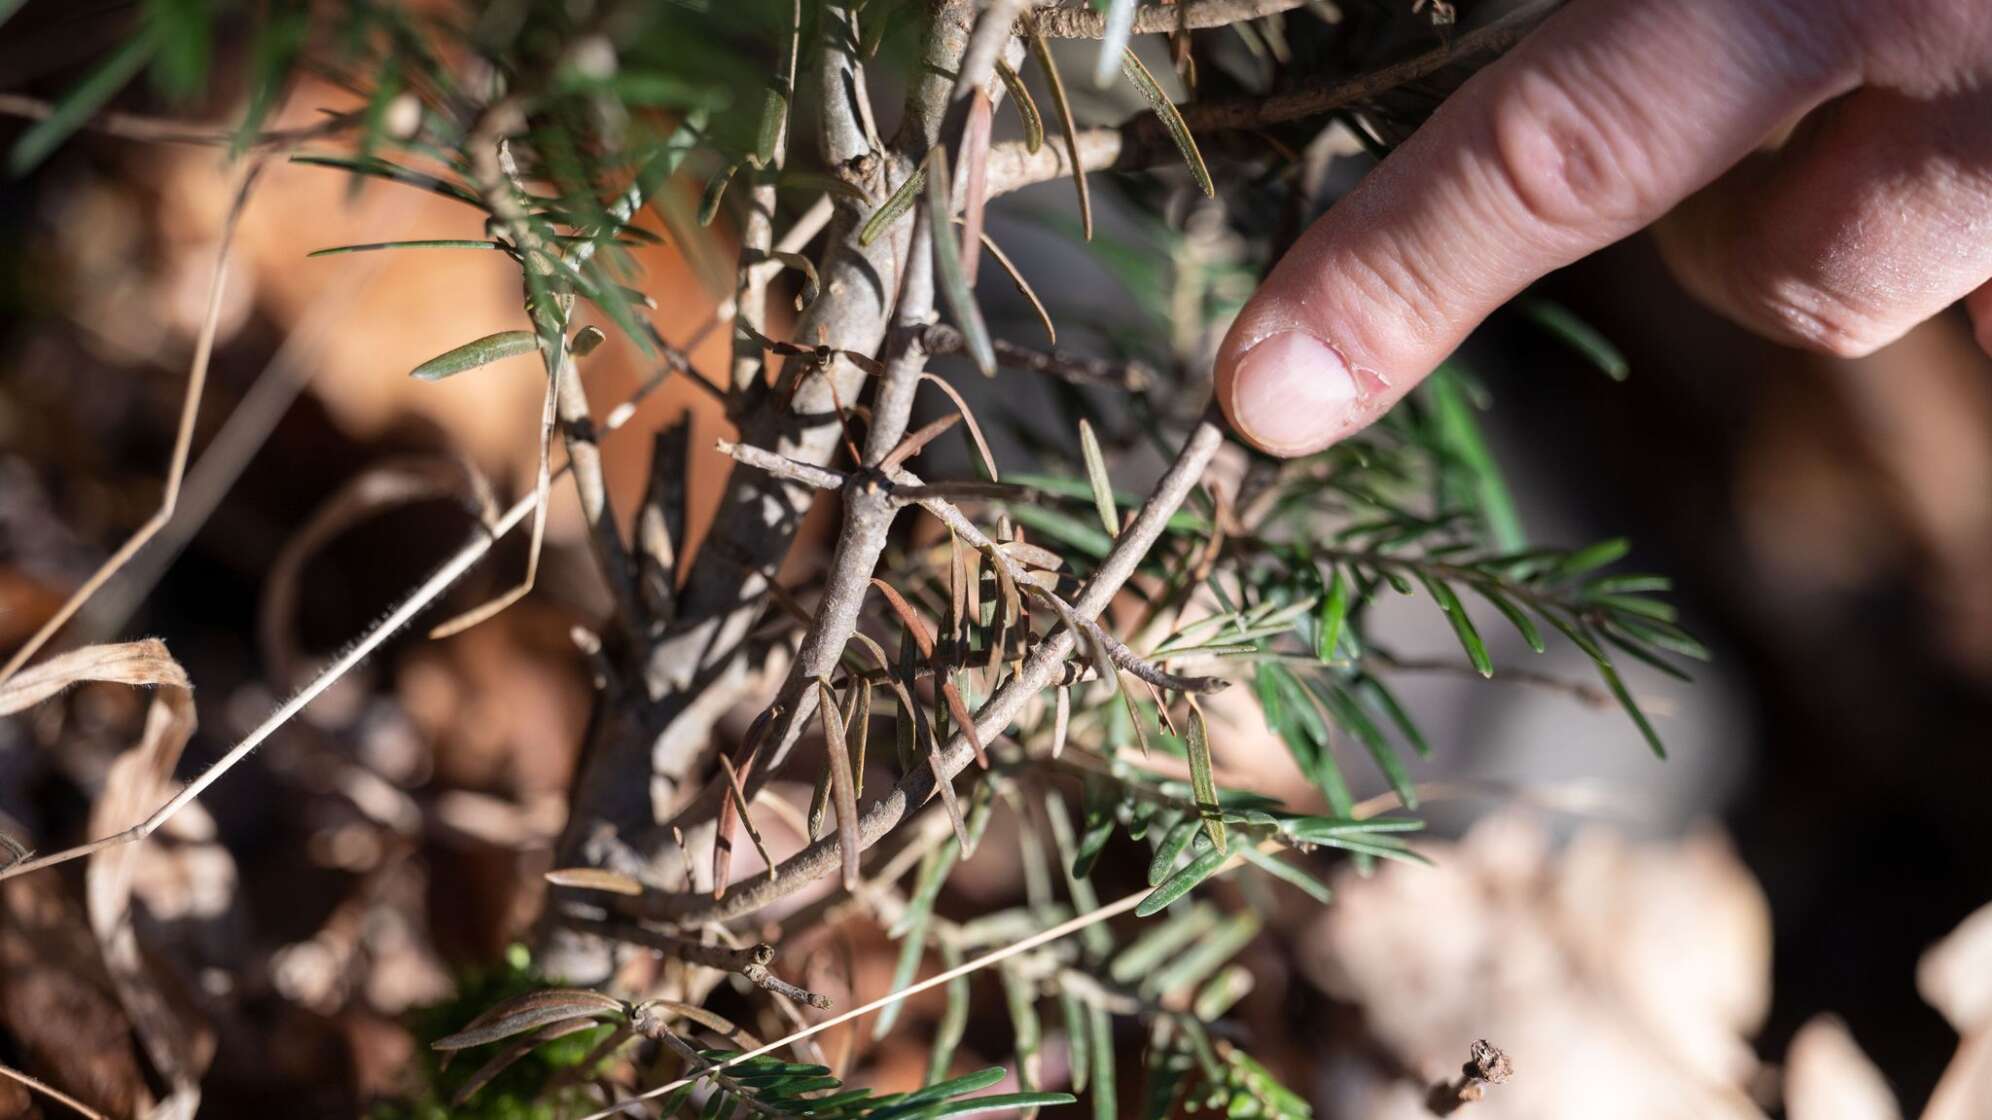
50, 1091
418, 600
868, 511
164, 130
183, 438
584, 458
1045, 937
1037, 940
1141, 142
236, 443
1039, 671
1131, 376
751, 962
781, 466
934, 498
496, 180
1193, 15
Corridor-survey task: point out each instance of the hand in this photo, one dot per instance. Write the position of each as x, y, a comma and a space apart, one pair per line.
1874, 216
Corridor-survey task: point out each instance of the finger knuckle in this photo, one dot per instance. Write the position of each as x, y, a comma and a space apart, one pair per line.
1923, 46
1806, 313
1566, 166
1406, 292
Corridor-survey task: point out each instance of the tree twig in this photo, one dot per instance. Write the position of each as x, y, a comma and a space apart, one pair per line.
49, 1091
934, 498
1131, 376
164, 130
1192, 15
1141, 142
822, 857
751, 962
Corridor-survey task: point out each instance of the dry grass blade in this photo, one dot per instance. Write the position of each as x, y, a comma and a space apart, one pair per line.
971, 591
968, 417
857, 734
595, 879
417, 600
142, 663
957, 709
183, 436
1041, 51
1023, 286
1020, 96
908, 617
739, 797
50, 1092
974, 173
140, 777
997, 956
659, 1009
1006, 618
957, 592
917, 442
843, 786
731, 809
916, 718
389, 485
1172, 119
1032, 555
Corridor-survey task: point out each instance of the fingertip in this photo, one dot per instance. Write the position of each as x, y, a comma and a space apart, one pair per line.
1289, 392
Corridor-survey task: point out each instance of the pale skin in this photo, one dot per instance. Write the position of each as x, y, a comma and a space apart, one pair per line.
1820, 171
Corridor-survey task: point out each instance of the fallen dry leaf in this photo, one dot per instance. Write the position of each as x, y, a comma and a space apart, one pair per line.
1506, 941
144, 662
138, 782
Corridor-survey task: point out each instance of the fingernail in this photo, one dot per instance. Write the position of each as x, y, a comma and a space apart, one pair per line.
1292, 393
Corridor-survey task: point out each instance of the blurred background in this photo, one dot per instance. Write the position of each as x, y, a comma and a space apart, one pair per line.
1820, 825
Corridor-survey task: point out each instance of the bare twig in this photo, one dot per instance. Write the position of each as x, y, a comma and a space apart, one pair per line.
781, 466
50, 1091
997, 956
1131, 376
163, 130
1141, 142
1039, 671
418, 600
1046, 937
235, 444
868, 511
497, 183
934, 498
1193, 15
751, 962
